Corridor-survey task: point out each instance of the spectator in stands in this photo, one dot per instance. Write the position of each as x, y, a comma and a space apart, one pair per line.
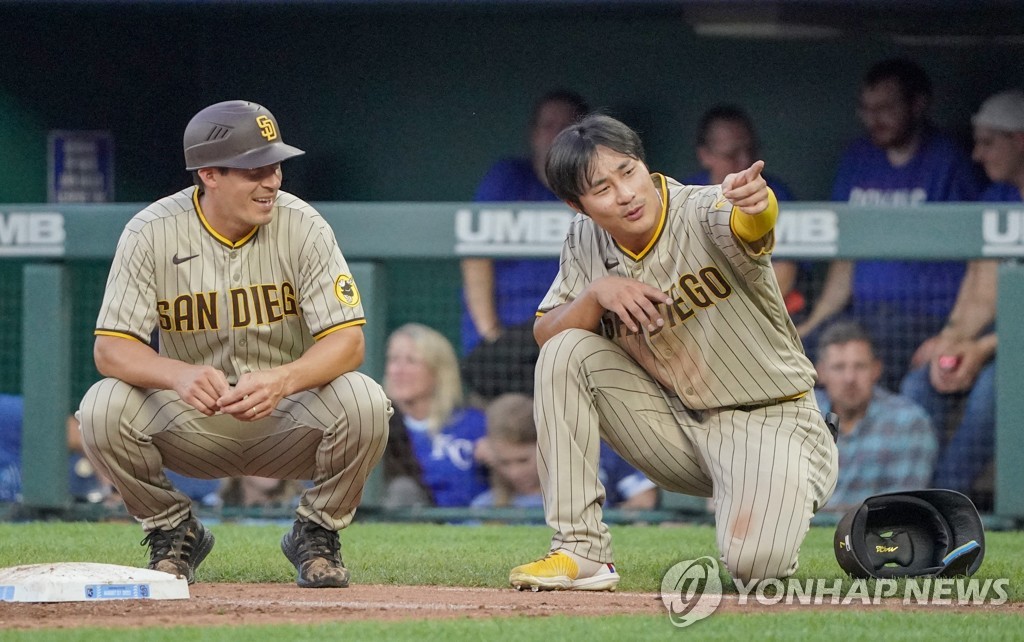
903, 161
626, 488
886, 442
403, 475
203, 492
260, 492
84, 485
510, 452
727, 143
422, 379
958, 378
501, 296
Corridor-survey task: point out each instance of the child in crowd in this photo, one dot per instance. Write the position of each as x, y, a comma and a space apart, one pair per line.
510, 451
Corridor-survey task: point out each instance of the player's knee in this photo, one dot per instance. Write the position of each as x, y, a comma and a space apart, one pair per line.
566, 349
381, 412
747, 564
571, 336
364, 402
96, 408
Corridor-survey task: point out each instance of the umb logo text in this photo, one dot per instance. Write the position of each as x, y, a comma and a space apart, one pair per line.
540, 232
806, 233
496, 232
1003, 233
32, 234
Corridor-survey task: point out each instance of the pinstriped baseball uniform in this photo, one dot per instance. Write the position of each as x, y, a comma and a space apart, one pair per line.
713, 404
246, 306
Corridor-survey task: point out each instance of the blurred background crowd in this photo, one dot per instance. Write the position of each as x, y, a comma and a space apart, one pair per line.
426, 102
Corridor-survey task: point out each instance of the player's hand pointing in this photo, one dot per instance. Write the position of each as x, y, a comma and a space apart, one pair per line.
632, 301
747, 190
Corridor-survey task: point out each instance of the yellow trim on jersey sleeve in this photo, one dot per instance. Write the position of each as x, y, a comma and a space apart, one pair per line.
120, 335
342, 326
751, 227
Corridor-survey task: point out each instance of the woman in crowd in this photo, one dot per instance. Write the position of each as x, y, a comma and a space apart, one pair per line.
430, 458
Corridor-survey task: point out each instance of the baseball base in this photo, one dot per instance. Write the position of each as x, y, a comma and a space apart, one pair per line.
86, 582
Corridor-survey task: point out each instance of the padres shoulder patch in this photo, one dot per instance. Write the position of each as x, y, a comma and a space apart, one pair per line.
345, 290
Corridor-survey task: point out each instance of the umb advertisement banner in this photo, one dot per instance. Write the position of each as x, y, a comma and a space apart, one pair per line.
80, 167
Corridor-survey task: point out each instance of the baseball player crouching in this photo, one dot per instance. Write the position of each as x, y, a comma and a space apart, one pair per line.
665, 334
260, 334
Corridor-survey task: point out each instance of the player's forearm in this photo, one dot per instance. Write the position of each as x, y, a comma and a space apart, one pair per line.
135, 363
329, 358
478, 289
584, 312
751, 227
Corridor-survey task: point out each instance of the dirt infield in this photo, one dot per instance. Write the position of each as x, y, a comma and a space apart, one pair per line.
238, 604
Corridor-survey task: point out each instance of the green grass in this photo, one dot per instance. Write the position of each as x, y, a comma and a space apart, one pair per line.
849, 626
452, 555
435, 554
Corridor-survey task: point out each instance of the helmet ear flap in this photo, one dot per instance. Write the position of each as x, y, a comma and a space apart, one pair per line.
910, 534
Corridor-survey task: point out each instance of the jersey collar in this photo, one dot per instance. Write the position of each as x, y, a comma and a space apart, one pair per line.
206, 224
662, 186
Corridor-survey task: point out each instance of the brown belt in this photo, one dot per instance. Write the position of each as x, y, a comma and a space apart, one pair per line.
771, 402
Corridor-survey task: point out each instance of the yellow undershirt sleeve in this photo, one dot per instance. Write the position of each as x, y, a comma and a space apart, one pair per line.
751, 227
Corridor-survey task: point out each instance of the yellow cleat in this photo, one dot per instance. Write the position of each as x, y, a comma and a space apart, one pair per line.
558, 571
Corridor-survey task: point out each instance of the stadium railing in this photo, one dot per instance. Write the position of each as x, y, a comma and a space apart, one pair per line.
55, 257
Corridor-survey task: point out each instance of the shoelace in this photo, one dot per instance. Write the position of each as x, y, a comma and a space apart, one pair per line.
176, 543
546, 557
317, 541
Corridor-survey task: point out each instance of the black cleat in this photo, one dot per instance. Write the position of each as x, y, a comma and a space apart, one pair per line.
315, 552
179, 550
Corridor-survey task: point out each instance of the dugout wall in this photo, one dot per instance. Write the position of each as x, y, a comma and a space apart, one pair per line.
412, 101
54, 260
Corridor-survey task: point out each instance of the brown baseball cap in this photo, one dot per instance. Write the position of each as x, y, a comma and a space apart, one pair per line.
235, 133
